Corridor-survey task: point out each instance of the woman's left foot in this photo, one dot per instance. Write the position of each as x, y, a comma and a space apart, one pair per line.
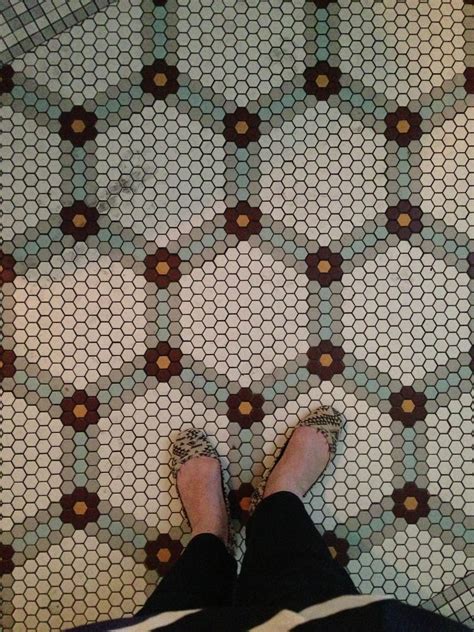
199, 482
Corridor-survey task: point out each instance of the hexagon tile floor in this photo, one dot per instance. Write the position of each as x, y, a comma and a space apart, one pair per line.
223, 213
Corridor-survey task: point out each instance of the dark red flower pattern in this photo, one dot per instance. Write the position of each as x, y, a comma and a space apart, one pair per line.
324, 266
243, 220
239, 502
471, 353
322, 4
6, 559
162, 553
160, 79
79, 220
162, 268
7, 268
322, 80
404, 219
408, 406
241, 127
403, 126
78, 126
245, 407
325, 360
6, 79
80, 507
163, 362
410, 502
7, 363
337, 547
469, 80
80, 410
470, 264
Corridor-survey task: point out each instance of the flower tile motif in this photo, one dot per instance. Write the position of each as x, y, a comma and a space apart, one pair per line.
163, 362
322, 4
89, 321
322, 80
6, 559
244, 313
243, 220
324, 266
392, 306
408, 406
241, 127
410, 502
79, 220
245, 407
470, 262
160, 79
80, 410
80, 507
469, 83
7, 268
6, 79
239, 502
162, 553
337, 547
7, 363
327, 184
325, 360
78, 126
403, 126
404, 219
162, 267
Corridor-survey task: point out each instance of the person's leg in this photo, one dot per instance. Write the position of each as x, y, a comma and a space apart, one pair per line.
205, 574
287, 563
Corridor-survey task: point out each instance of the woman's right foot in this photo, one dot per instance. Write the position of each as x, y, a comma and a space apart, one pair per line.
301, 464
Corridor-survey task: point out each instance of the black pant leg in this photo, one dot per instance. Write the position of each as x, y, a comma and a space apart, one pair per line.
204, 576
287, 563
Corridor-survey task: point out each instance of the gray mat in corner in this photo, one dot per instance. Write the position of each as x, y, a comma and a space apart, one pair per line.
26, 23
455, 602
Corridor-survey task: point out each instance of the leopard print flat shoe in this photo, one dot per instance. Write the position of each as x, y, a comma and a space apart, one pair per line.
327, 421
192, 443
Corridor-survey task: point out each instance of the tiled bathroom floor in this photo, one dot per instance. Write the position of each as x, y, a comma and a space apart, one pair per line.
224, 214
